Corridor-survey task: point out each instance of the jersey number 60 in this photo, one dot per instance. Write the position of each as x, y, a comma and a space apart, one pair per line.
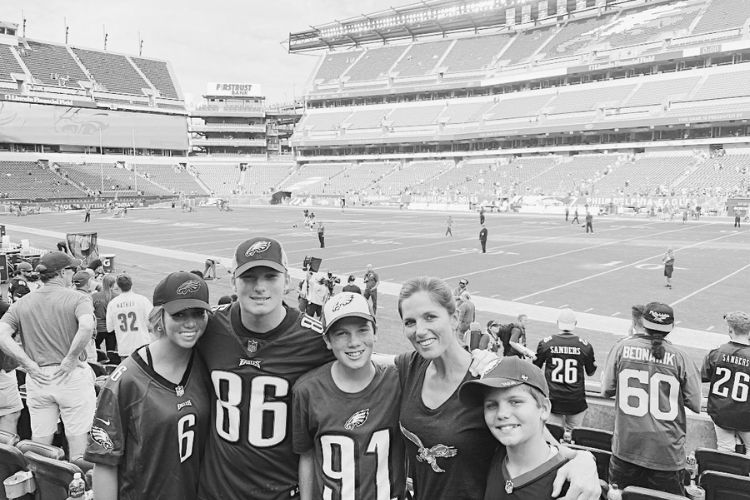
637, 401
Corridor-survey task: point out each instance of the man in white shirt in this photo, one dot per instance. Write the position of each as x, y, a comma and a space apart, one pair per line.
127, 316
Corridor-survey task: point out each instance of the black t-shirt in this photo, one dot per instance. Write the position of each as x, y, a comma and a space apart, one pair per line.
564, 358
4, 306
533, 485
18, 288
727, 368
249, 452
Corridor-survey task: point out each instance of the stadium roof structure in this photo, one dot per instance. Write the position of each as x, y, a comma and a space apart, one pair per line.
408, 22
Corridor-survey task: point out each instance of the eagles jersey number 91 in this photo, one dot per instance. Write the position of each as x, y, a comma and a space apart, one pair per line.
249, 454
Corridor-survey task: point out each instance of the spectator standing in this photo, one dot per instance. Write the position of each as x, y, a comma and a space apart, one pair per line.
62, 246
54, 323
491, 341
372, 280
449, 228
483, 238
567, 213
321, 235
87, 217
575, 217
81, 284
481, 216
127, 316
19, 284
668, 261
517, 339
154, 412
466, 313
317, 295
727, 368
351, 286
101, 300
737, 218
10, 399
652, 382
565, 357
462, 284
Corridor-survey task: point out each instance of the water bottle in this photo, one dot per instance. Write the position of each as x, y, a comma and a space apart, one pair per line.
614, 493
77, 487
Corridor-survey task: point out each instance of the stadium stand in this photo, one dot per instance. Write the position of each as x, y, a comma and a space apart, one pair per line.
334, 65
19, 178
661, 91
723, 85
172, 177
116, 179
313, 178
574, 100
525, 45
359, 176
113, 71
264, 178
414, 116
650, 24
322, 121
374, 64
464, 112
220, 178
51, 65
158, 74
648, 174
474, 54
420, 59
723, 14
366, 118
573, 37
517, 105
8, 64
721, 175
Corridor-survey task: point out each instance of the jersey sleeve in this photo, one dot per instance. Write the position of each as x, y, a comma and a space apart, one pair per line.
84, 306
541, 354
589, 360
707, 370
106, 443
609, 374
302, 439
691, 386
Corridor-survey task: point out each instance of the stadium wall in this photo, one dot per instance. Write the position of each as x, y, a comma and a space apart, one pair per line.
26, 123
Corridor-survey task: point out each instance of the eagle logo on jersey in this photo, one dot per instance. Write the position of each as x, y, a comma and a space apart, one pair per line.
357, 419
258, 247
190, 286
342, 301
101, 437
432, 454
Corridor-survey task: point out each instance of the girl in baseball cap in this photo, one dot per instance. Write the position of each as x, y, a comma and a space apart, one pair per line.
157, 395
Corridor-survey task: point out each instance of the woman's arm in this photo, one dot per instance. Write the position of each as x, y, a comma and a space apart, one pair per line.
581, 473
306, 476
105, 482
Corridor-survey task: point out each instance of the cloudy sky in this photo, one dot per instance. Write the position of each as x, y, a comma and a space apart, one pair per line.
205, 41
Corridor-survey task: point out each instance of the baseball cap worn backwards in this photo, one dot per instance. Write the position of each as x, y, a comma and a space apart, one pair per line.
180, 291
659, 317
508, 372
56, 261
24, 266
81, 278
345, 305
257, 252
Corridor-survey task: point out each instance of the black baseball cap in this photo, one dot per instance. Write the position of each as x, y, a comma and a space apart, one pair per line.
180, 291
659, 317
257, 252
507, 372
56, 261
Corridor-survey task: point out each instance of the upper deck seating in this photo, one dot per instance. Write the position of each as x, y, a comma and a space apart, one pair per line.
420, 59
722, 15
221, 178
475, 53
334, 65
525, 44
112, 71
465, 112
367, 118
8, 64
515, 106
359, 176
51, 64
321, 121
415, 116
658, 92
375, 64
573, 37
650, 24
158, 74
721, 85
723, 173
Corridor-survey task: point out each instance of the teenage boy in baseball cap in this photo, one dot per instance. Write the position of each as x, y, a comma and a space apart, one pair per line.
515, 398
354, 388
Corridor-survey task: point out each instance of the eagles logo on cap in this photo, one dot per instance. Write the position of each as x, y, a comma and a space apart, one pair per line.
342, 301
190, 286
258, 247
658, 317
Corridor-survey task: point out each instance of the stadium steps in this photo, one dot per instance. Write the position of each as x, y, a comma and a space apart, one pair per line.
58, 170
80, 64
695, 165
143, 75
698, 18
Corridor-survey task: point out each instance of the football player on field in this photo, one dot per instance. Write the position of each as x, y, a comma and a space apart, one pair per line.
255, 350
346, 413
153, 414
727, 368
652, 382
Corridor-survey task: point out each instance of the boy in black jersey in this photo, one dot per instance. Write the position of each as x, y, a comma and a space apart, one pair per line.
727, 368
565, 357
514, 395
345, 413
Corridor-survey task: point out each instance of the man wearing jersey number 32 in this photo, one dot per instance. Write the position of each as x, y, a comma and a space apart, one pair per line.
255, 350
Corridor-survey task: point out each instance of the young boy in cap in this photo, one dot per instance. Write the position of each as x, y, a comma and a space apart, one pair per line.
514, 395
727, 369
652, 382
345, 413
565, 357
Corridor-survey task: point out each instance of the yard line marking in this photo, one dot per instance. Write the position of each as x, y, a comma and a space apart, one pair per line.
540, 302
710, 328
616, 314
710, 285
640, 261
589, 309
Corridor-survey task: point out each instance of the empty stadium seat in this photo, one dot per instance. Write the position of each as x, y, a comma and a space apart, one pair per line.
638, 493
52, 476
557, 431
11, 461
9, 438
724, 486
593, 438
45, 450
722, 461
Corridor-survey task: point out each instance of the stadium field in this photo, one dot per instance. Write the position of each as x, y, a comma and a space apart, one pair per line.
534, 264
